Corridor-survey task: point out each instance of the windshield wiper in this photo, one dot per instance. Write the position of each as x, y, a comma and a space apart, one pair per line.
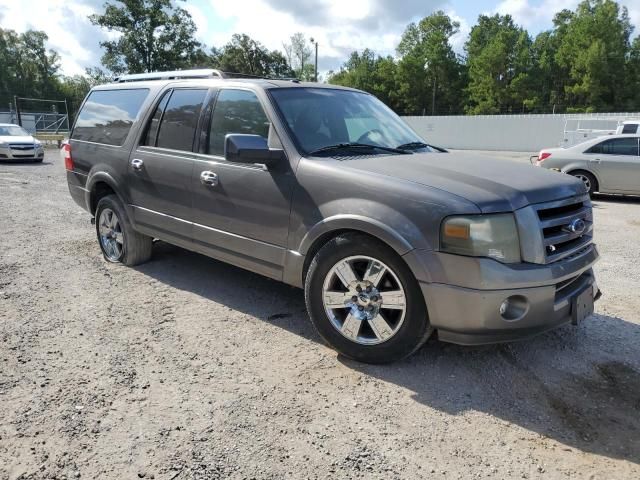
418, 145
413, 145
355, 145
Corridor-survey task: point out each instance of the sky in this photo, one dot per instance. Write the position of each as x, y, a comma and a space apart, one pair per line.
339, 26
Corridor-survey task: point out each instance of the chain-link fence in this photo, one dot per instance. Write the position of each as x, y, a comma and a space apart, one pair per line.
37, 115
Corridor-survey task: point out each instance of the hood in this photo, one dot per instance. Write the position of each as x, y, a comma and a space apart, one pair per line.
493, 185
17, 139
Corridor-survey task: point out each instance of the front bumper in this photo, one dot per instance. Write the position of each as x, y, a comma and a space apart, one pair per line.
21, 155
464, 295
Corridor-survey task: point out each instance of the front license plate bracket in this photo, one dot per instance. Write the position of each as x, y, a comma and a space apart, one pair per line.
582, 306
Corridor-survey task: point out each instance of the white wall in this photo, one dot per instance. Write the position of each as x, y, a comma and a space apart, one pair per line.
518, 133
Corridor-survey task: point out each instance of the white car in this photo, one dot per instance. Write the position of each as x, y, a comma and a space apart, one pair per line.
18, 144
609, 164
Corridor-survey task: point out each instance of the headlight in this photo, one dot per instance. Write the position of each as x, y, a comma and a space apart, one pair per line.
493, 236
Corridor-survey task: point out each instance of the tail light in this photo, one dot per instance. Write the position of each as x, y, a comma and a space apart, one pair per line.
68, 161
543, 156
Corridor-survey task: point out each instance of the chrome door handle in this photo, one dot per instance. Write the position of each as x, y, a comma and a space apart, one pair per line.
137, 164
209, 178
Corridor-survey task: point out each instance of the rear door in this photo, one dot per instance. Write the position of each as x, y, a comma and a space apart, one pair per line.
160, 168
243, 217
616, 162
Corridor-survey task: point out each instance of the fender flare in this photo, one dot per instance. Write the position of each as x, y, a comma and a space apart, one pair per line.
367, 225
105, 178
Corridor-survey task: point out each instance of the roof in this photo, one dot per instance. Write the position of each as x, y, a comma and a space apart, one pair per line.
9, 125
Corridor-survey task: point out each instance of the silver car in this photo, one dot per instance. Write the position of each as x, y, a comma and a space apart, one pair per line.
609, 164
18, 144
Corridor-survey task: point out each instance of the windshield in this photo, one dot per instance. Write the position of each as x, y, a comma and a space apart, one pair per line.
13, 131
324, 117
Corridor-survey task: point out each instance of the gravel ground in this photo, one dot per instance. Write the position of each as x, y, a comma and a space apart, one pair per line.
189, 368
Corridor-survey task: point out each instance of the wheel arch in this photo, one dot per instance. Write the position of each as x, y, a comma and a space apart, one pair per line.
333, 227
571, 169
98, 186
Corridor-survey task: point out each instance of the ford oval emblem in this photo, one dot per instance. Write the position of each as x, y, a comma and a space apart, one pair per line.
576, 226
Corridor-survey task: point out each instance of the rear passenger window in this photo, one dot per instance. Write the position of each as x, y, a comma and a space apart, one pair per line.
236, 111
616, 146
107, 115
180, 119
630, 128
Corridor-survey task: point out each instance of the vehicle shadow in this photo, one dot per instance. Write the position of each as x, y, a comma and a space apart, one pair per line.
26, 163
602, 197
568, 385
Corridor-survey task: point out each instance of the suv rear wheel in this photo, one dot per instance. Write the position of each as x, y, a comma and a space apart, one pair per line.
119, 242
364, 300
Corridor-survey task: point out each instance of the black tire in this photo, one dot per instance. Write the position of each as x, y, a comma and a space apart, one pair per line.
136, 247
588, 179
412, 333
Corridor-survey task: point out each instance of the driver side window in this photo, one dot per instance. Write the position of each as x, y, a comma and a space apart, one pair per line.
236, 111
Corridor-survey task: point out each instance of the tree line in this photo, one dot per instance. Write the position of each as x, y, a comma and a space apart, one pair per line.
585, 63
154, 35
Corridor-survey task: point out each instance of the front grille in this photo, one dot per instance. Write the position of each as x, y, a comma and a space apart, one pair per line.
21, 146
560, 224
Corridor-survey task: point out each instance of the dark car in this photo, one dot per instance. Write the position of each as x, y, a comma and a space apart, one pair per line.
326, 189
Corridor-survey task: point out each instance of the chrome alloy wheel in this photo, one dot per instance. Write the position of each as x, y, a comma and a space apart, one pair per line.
586, 180
111, 236
364, 300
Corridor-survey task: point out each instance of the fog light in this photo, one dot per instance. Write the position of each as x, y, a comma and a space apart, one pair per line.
514, 308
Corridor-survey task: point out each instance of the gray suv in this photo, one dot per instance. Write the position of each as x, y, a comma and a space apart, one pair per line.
326, 189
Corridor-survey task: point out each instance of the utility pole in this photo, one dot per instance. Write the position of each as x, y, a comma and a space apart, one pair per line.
18, 115
433, 98
66, 111
315, 74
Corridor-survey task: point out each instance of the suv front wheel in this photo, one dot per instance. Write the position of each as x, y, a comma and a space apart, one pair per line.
364, 301
119, 242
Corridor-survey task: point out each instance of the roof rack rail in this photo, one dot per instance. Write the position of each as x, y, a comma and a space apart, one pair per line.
181, 74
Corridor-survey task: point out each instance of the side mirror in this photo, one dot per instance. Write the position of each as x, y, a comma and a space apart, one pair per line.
241, 148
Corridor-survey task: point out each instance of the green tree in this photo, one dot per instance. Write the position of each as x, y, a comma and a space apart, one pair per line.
245, 55
371, 73
429, 74
28, 68
154, 35
593, 48
75, 88
499, 58
298, 53
633, 77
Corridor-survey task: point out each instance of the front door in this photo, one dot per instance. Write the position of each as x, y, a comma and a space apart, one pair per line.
240, 211
160, 168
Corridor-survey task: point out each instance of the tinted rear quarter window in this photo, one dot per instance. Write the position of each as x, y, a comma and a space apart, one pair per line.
180, 119
107, 115
630, 128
